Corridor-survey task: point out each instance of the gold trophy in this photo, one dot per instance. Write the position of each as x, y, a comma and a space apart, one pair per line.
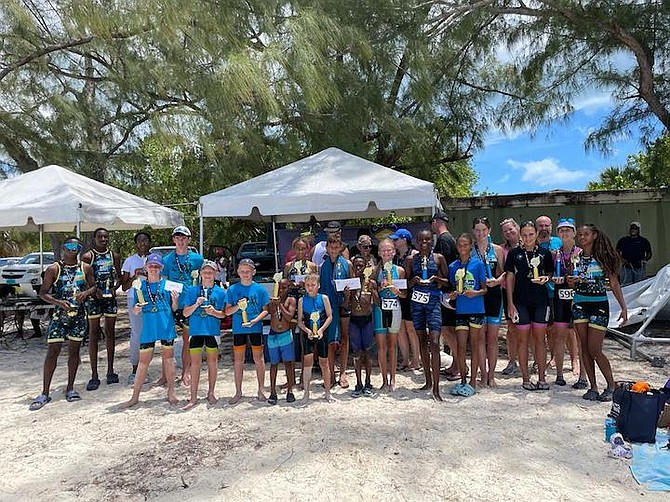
388, 269
314, 317
243, 304
194, 276
367, 273
535, 262
137, 285
460, 276
277, 278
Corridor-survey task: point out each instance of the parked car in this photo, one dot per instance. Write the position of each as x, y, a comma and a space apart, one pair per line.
26, 275
261, 253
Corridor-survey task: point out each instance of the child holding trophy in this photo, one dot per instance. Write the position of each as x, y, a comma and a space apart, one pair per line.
247, 302
529, 268
280, 340
314, 317
360, 302
204, 305
469, 274
388, 313
156, 305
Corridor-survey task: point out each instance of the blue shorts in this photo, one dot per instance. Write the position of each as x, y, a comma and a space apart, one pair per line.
427, 314
283, 353
360, 333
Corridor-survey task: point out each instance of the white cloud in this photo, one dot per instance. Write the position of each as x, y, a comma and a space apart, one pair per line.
504, 179
549, 172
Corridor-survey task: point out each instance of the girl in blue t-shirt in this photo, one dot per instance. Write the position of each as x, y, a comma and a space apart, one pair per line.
468, 275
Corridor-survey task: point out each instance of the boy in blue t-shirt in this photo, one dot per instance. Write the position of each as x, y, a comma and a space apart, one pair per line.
247, 302
468, 274
203, 305
155, 305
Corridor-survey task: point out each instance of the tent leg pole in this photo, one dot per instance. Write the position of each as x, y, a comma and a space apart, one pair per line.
201, 228
274, 243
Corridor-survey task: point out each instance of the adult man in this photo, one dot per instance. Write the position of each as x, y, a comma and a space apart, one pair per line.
446, 246
133, 268
547, 241
182, 265
635, 251
72, 282
106, 272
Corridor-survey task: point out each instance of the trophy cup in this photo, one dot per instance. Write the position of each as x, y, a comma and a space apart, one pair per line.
575, 261
535, 262
205, 304
107, 291
460, 276
194, 276
424, 269
277, 278
137, 286
243, 304
388, 270
314, 317
72, 300
367, 272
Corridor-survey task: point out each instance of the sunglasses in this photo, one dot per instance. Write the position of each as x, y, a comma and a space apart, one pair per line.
72, 246
364, 246
566, 220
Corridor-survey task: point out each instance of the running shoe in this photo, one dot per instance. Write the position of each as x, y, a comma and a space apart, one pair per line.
510, 369
606, 396
367, 392
580, 384
358, 391
591, 395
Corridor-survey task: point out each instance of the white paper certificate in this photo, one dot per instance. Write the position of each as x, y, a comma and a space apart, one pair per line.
400, 283
353, 283
174, 286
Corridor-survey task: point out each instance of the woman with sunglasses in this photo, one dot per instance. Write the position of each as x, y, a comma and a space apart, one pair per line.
564, 260
510, 232
598, 262
529, 268
491, 255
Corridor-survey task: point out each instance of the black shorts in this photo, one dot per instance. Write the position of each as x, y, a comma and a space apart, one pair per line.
151, 345
448, 316
344, 312
241, 339
531, 313
405, 308
493, 302
562, 305
320, 344
200, 341
180, 320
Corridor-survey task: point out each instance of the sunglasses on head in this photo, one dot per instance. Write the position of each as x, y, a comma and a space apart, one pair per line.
72, 246
566, 220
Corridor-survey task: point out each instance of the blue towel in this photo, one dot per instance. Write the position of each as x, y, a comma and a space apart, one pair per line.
651, 463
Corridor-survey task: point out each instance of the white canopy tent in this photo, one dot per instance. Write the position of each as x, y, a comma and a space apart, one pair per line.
329, 185
55, 199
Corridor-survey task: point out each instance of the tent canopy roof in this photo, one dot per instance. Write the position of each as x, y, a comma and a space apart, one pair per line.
331, 184
58, 198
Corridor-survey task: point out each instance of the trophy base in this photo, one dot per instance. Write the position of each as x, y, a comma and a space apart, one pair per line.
558, 280
142, 304
108, 295
536, 281
425, 282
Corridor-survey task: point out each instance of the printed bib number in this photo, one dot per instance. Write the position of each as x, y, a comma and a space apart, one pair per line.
390, 303
566, 294
420, 297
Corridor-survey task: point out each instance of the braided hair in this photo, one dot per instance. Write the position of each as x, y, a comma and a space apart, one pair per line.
603, 251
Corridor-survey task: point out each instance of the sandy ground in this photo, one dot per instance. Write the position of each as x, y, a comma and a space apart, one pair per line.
506, 444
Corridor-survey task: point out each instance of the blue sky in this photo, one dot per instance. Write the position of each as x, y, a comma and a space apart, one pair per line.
554, 158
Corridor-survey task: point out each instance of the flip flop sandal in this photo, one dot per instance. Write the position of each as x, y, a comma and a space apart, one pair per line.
39, 402
542, 386
466, 390
529, 386
454, 391
72, 395
112, 378
93, 384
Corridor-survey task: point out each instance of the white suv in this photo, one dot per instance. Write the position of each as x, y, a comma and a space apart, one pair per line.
26, 275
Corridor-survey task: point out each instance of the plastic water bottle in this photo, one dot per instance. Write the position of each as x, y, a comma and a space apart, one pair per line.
610, 428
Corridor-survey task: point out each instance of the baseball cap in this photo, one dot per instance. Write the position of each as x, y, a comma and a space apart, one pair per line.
248, 262
333, 226
183, 230
441, 215
637, 224
155, 259
566, 222
401, 233
365, 239
208, 263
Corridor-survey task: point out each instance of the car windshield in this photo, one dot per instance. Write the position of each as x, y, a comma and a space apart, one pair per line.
7, 261
29, 259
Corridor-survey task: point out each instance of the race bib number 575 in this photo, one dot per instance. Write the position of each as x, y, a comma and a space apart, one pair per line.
420, 297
